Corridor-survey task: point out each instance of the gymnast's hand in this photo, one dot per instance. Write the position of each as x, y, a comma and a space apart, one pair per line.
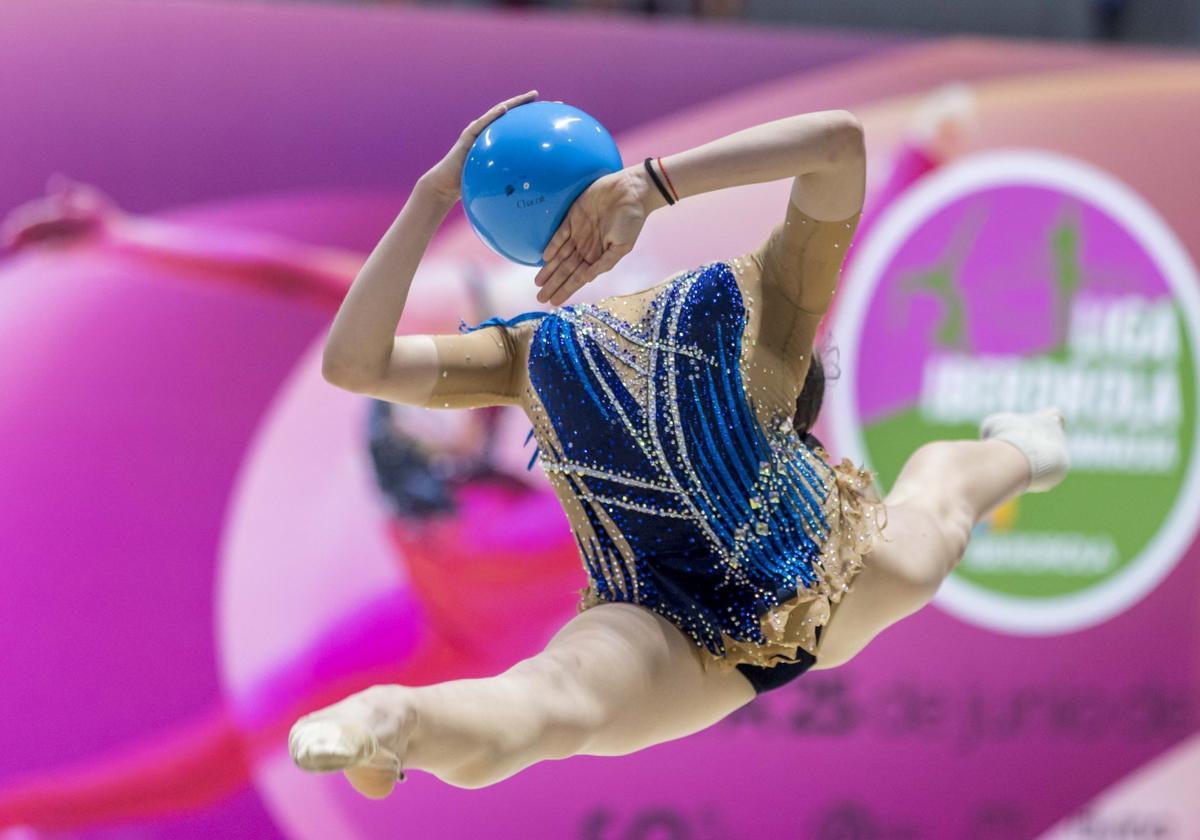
444, 178
600, 227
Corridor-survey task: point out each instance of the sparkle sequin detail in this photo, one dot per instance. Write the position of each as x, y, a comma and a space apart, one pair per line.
651, 424
651, 411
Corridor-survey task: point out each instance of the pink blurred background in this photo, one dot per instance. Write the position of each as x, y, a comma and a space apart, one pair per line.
201, 539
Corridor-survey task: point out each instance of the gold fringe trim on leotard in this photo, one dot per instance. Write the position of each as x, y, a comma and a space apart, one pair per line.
856, 517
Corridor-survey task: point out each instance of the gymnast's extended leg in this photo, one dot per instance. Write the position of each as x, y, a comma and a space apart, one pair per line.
614, 679
942, 492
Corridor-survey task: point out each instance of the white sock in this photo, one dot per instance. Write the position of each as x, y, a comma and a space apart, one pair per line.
1040, 437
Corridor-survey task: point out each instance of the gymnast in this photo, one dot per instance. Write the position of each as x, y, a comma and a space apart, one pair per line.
725, 552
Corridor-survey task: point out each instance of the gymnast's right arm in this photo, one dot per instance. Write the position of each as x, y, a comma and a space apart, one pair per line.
362, 352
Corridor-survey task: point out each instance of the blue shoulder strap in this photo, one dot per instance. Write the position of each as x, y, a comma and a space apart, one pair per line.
497, 321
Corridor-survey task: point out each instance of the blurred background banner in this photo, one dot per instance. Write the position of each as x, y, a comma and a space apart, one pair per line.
201, 540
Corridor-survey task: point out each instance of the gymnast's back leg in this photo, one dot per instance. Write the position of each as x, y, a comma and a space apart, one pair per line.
944, 489
616, 678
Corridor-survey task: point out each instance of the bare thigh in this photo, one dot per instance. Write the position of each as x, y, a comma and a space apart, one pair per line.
943, 490
647, 674
899, 576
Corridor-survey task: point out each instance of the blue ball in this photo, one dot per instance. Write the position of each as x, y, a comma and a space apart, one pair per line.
526, 168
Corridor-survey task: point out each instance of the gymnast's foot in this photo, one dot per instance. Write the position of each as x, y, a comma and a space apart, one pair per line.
1041, 438
363, 735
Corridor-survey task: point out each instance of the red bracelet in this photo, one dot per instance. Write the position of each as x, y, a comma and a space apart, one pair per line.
668, 177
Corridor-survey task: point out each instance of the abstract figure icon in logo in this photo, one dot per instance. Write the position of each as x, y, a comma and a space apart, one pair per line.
942, 280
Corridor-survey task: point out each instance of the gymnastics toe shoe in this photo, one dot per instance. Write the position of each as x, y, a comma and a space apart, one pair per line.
327, 745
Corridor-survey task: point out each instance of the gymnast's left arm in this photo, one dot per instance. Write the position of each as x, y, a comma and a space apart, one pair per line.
822, 151
825, 154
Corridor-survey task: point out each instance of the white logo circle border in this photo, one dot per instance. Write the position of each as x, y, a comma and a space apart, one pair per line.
1035, 167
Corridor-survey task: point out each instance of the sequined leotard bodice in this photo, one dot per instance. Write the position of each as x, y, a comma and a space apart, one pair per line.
664, 421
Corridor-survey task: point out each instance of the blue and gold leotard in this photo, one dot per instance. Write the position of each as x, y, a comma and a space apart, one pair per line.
663, 419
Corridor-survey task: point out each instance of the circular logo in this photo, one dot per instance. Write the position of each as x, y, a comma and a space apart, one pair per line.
1009, 281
